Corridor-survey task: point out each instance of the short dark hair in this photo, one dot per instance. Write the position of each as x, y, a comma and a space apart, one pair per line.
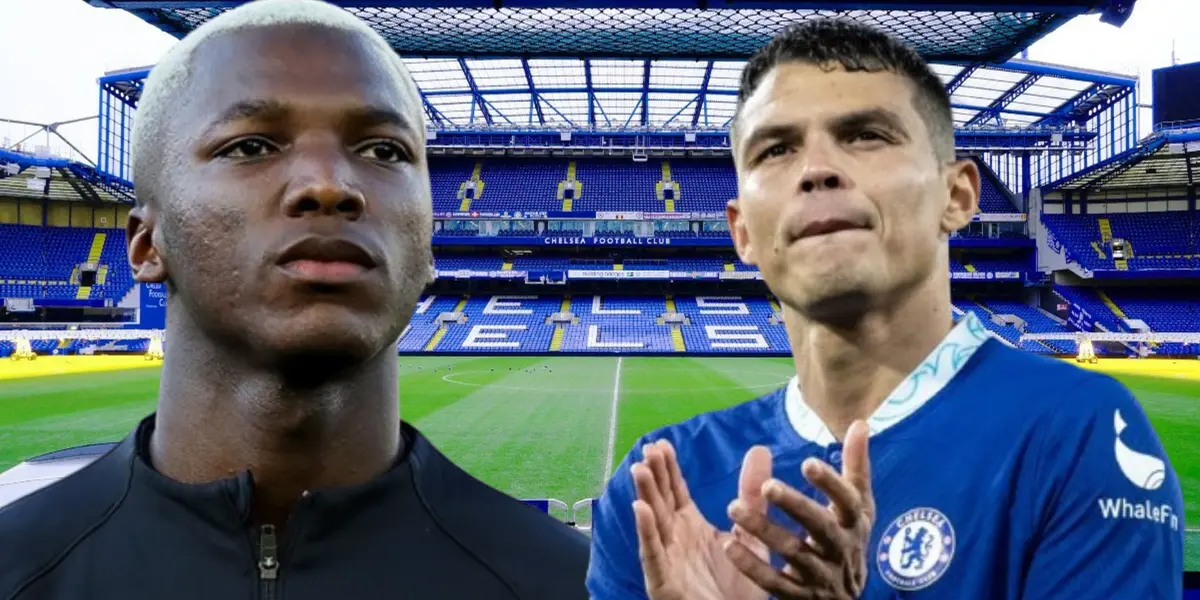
831, 43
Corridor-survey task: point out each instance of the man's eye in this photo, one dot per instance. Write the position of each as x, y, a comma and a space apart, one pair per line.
383, 152
867, 136
247, 148
776, 150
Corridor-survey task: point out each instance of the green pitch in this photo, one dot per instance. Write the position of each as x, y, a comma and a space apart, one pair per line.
535, 427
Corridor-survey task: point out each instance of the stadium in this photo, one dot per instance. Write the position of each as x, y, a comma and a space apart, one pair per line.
587, 289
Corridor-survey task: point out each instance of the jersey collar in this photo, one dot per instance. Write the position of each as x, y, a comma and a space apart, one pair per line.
918, 388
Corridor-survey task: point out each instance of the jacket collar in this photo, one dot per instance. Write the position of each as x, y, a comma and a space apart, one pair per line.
921, 385
227, 503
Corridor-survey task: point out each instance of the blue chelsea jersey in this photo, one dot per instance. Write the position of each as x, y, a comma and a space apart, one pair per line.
997, 474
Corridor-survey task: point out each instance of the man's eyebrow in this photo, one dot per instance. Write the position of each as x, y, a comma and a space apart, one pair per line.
267, 110
274, 110
771, 132
871, 116
853, 120
374, 116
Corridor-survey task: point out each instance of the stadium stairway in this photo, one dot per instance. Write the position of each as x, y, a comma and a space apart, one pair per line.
1116, 310
668, 203
465, 205
93, 257
562, 186
676, 333
677, 339
556, 341
437, 338
557, 338
442, 330
1105, 230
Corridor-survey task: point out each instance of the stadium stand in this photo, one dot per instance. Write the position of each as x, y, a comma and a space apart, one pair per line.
528, 184
503, 323
617, 324
731, 324
1159, 240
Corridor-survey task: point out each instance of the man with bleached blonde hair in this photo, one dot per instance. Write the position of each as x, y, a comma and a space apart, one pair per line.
283, 199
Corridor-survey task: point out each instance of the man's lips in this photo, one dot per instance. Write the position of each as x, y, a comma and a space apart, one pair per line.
328, 272
828, 226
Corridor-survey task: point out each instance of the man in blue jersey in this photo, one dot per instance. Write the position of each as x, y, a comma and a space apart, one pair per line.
993, 474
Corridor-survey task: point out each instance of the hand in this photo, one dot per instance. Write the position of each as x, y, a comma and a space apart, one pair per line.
682, 553
832, 562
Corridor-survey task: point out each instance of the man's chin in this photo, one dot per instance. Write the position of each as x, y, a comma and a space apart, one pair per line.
828, 297
329, 346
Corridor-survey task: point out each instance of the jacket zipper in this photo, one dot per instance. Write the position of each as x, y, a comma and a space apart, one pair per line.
268, 561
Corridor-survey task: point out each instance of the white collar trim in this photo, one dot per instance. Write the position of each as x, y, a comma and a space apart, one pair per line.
918, 388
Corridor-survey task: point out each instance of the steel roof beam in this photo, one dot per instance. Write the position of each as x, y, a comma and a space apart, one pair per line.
702, 97
646, 93
960, 78
591, 94
999, 104
1040, 68
483, 109
533, 93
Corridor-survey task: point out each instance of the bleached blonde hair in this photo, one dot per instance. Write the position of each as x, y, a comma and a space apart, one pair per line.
172, 73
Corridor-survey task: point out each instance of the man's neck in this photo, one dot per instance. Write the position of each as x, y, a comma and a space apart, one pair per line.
217, 417
846, 372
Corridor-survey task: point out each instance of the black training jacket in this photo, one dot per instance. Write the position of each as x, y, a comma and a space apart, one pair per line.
424, 530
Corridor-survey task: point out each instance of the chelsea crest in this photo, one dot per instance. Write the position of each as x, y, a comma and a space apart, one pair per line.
916, 549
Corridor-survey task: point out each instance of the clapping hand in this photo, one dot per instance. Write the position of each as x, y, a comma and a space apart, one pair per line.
831, 563
685, 558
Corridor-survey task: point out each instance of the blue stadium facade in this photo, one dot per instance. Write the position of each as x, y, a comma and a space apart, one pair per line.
580, 172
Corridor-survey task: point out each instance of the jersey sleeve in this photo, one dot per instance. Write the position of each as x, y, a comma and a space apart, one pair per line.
615, 570
1110, 523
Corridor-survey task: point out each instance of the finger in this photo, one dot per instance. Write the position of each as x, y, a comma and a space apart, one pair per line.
762, 573
847, 503
650, 544
657, 460
756, 470
811, 570
819, 522
857, 465
764, 532
647, 491
748, 539
678, 485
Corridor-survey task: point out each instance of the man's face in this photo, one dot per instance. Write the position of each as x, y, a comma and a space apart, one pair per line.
841, 199
293, 212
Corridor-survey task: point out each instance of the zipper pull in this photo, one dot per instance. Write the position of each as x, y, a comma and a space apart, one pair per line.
268, 561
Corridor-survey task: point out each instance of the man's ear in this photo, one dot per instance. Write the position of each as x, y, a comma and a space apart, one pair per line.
737, 230
145, 261
963, 185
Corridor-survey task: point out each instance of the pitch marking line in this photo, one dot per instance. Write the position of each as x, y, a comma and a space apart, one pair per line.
612, 425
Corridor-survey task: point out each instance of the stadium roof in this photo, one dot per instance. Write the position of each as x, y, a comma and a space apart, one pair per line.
625, 94
1167, 159
675, 63
978, 30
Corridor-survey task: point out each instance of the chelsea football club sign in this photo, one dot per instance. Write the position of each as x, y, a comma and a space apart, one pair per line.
916, 549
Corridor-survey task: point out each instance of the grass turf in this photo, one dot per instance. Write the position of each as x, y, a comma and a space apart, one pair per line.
535, 427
